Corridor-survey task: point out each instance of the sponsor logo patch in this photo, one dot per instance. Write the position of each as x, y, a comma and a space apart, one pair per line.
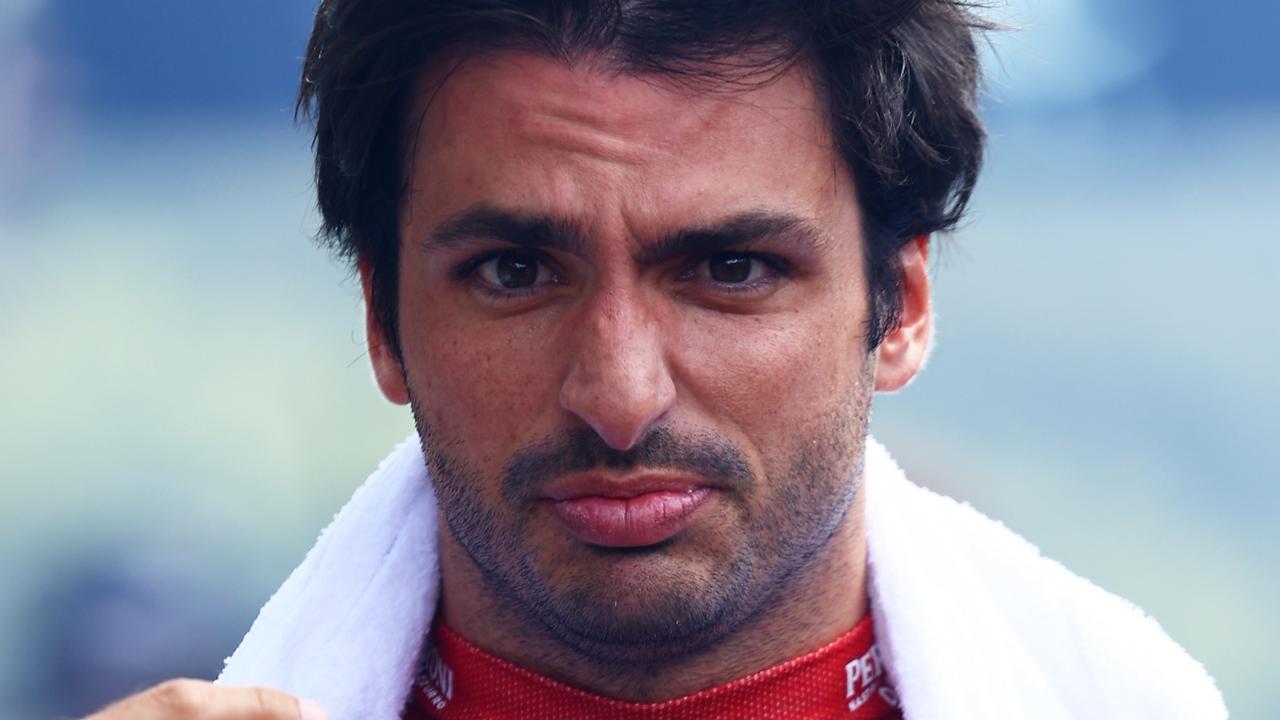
862, 677
437, 680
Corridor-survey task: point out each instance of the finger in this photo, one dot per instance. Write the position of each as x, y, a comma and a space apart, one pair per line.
199, 700
259, 703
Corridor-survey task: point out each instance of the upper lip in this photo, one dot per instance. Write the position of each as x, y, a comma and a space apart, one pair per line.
621, 487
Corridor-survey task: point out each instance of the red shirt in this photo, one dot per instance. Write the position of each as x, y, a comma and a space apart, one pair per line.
845, 679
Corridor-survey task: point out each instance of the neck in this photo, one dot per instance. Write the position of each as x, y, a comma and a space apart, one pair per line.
824, 599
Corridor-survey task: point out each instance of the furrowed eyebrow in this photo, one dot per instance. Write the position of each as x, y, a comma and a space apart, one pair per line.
484, 222
735, 232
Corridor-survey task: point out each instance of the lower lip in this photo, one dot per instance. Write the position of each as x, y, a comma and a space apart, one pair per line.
630, 522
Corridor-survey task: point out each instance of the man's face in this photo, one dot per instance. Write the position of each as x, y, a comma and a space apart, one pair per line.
632, 327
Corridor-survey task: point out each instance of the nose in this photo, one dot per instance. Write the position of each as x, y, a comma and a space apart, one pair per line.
618, 382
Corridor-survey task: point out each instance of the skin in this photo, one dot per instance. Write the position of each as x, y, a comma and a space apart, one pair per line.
654, 364
648, 363
185, 699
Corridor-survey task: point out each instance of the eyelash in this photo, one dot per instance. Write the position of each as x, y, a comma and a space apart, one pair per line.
778, 269
467, 271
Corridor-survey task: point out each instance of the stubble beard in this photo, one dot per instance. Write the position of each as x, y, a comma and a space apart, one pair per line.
811, 497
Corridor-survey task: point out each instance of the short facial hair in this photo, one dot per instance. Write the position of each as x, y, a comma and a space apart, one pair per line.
811, 496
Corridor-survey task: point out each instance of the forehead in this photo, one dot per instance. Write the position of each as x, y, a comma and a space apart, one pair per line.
582, 141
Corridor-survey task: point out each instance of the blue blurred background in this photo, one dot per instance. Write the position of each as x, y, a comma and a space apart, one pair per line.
185, 400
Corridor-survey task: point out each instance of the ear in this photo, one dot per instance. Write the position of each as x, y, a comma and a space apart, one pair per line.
903, 351
387, 368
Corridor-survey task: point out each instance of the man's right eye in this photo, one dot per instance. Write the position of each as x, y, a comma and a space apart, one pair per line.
514, 271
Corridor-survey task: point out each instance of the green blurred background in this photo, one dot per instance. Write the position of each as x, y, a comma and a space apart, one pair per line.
185, 399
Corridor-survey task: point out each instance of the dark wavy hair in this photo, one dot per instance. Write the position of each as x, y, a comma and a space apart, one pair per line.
899, 77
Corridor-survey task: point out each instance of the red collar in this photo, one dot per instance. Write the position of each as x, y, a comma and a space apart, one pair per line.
844, 679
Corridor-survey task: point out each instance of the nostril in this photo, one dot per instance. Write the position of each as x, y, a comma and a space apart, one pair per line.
620, 403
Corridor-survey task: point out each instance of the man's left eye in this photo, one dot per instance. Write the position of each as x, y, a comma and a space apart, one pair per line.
734, 268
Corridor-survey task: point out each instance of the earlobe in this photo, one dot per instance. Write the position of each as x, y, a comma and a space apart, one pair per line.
387, 368
903, 351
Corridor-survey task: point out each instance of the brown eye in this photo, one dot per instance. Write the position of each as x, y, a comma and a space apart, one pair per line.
516, 272
730, 269
512, 271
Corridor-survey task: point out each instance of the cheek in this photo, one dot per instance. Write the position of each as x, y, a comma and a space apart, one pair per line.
483, 389
765, 373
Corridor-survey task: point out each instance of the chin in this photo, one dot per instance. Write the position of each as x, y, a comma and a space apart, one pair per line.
645, 607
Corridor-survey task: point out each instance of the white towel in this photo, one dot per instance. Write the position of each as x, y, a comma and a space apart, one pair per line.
971, 620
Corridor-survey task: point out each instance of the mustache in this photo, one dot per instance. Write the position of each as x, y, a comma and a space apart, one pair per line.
581, 449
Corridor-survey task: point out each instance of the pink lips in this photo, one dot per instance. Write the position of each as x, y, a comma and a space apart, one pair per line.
634, 521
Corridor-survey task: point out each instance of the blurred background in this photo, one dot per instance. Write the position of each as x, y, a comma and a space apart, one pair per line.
185, 400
